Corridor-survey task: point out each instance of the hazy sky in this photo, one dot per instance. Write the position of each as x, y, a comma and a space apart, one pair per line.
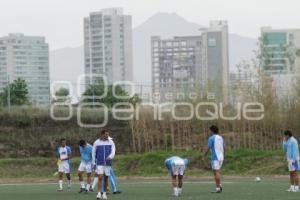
61, 20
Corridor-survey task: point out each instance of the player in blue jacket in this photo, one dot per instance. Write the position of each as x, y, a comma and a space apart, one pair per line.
291, 148
103, 153
176, 166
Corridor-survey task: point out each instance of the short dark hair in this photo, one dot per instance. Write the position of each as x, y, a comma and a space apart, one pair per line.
63, 139
288, 133
214, 129
104, 131
82, 143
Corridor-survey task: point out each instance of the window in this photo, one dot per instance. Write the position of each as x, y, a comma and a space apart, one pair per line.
212, 42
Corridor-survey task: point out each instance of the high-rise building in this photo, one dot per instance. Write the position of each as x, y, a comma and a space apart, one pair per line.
278, 49
176, 65
27, 58
216, 58
108, 45
186, 64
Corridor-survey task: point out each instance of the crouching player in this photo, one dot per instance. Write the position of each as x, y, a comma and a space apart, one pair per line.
85, 166
217, 147
290, 146
64, 155
176, 166
103, 153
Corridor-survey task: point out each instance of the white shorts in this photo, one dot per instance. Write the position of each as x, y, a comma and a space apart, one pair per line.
103, 170
178, 170
85, 167
293, 166
64, 167
216, 164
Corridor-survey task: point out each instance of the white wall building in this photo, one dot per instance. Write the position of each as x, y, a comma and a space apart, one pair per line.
108, 44
26, 57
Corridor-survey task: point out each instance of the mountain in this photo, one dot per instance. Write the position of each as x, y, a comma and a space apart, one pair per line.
67, 64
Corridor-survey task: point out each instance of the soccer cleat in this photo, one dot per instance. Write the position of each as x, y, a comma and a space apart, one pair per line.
98, 196
82, 190
117, 192
69, 188
291, 190
60, 190
218, 190
104, 196
296, 190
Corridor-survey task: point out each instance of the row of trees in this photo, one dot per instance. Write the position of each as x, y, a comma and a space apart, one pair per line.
16, 94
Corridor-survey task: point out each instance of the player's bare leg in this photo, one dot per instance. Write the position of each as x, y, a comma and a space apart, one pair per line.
99, 186
60, 182
180, 184
105, 183
69, 181
296, 181
88, 181
82, 185
217, 175
175, 185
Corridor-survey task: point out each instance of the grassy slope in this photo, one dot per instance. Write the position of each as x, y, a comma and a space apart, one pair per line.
152, 164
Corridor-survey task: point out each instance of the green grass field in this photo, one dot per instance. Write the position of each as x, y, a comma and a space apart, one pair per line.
158, 190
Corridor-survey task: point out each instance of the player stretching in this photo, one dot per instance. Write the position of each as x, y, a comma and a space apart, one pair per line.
290, 146
176, 166
216, 147
103, 153
64, 156
85, 165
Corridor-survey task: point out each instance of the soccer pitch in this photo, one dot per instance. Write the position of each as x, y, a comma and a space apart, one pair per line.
157, 190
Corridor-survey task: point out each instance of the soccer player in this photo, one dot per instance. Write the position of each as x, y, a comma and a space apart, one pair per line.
290, 146
176, 166
86, 165
64, 155
216, 147
103, 152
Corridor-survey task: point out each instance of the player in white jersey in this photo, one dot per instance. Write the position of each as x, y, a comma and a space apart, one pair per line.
216, 147
86, 165
64, 155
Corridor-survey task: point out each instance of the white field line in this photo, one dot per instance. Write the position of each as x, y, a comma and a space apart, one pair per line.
121, 183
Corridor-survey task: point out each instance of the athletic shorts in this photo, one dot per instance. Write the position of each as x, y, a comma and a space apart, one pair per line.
85, 167
64, 167
293, 166
178, 170
103, 170
216, 164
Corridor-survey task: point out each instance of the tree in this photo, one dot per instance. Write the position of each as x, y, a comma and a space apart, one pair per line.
15, 93
62, 95
97, 90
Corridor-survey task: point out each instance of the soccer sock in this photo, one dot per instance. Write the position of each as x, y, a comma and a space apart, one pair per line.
175, 190
88, 186
82, 184
296, 187
95, 182
69, 183
179, 190
292, 187
60, 182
